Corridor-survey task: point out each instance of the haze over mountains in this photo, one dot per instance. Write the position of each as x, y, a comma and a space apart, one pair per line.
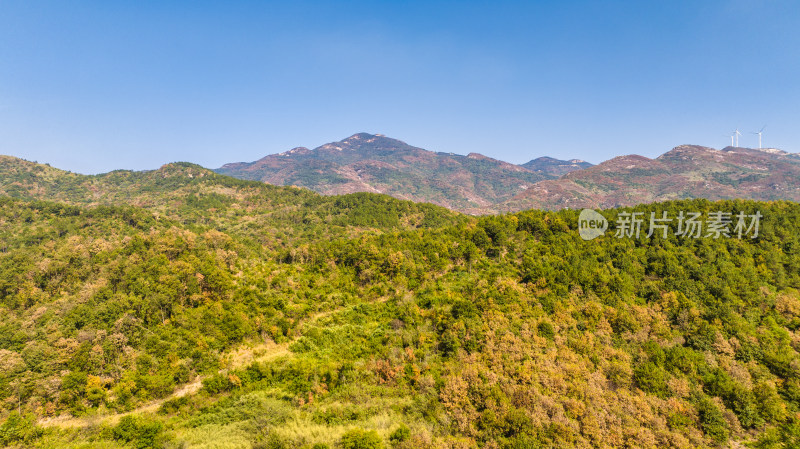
480, 184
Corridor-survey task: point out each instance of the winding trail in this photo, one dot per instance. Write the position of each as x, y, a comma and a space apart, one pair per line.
237, 358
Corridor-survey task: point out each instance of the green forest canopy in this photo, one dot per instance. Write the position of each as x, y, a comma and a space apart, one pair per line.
374, 322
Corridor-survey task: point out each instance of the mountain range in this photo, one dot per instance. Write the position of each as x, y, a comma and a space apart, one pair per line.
686, 171
472, 184
375, 163
477, 184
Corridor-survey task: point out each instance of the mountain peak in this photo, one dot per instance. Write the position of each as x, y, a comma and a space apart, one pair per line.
183, 169
369, 138
555, 167
363, 140
295, 151
697, 152
686, 171
548, 159
773, 151
376, 163
689, 152
361, 136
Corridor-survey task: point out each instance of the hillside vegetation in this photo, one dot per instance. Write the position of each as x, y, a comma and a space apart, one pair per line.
158, 309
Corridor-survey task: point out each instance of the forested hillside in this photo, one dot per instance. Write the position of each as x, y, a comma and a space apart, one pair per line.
160, 309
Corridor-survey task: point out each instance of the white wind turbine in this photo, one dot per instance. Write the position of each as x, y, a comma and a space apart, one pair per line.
759, 135
737, 134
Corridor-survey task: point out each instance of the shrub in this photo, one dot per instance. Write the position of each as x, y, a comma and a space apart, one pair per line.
546, 330
338, 415
711, 419
651, 378
19, 429
217, 384
173, 405
142, 432
522, 442
361, 439
400, 434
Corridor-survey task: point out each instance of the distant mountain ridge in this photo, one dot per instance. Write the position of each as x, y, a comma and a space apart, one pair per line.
686, 171
376, 163
555, 167
193, 195
473, 184
478, 184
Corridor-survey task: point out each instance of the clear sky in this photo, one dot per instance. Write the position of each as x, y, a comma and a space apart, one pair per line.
95, 86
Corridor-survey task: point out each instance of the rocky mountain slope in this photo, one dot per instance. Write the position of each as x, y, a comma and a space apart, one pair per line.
474, 184
375, 163
687, 171
477, 184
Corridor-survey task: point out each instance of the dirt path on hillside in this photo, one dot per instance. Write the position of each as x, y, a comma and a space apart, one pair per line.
237, 358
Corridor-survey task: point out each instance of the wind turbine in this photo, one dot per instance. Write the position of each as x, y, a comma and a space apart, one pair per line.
759, 135
737, 134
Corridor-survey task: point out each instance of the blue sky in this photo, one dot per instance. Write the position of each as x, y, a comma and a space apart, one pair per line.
96, 86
